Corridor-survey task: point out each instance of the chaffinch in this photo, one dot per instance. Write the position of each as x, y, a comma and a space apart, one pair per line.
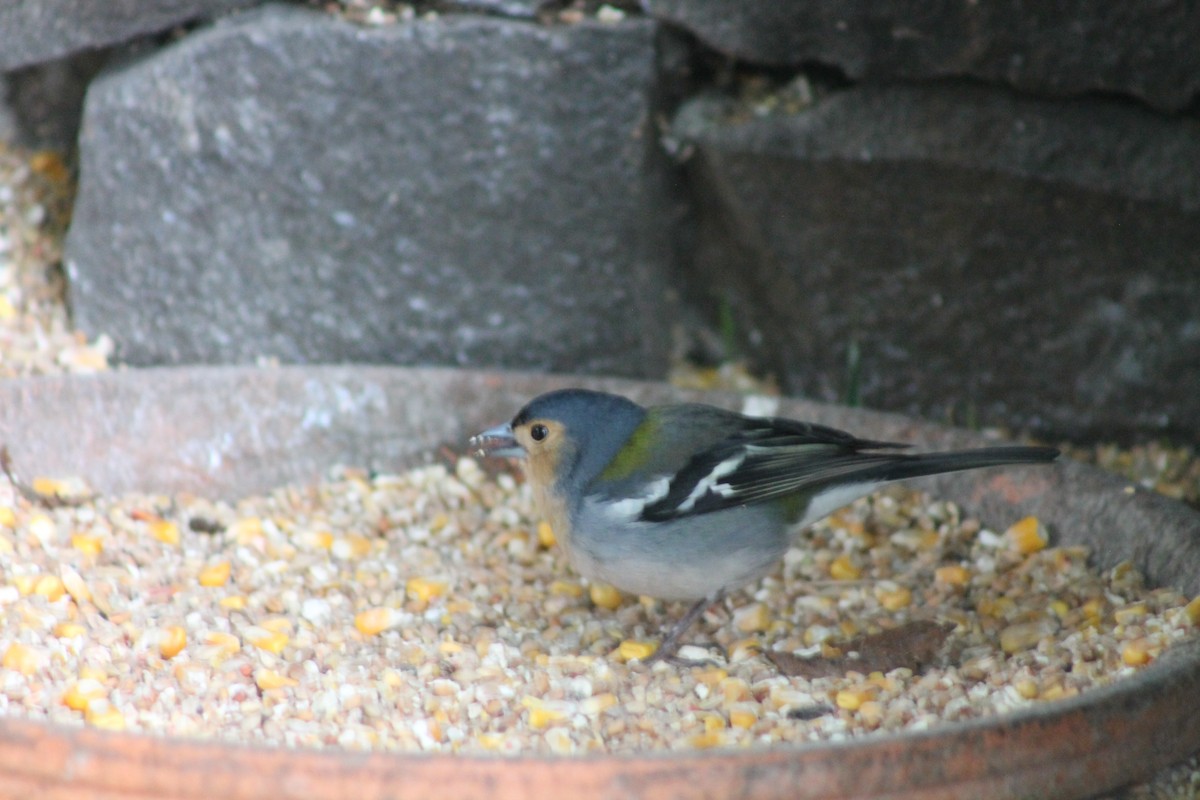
689, 501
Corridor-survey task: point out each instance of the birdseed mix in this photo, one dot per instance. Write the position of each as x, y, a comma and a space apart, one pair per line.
35, 333
431, 611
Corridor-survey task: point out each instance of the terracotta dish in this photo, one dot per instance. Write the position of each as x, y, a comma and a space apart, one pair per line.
233, 431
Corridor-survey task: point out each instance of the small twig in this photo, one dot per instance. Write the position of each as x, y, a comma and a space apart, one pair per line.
55, 500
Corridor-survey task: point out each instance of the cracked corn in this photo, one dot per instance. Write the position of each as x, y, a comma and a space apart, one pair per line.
446, 623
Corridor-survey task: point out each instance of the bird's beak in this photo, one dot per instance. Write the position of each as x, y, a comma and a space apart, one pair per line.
498, 442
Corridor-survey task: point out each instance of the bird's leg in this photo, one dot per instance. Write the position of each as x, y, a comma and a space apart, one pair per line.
670, 643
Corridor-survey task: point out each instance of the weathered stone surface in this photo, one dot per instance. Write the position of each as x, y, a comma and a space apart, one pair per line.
1143, 49
33, 31
995, 258
464, 190
46, 100
8, 119
513, 9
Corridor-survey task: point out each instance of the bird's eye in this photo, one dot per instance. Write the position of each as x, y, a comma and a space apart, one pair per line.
539, 432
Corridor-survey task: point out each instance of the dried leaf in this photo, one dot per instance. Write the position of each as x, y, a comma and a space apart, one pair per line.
913, 645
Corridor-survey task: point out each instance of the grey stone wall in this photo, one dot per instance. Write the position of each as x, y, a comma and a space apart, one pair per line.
996, 206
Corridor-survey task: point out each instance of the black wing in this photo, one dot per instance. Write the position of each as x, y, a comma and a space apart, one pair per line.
767, 459
764, 459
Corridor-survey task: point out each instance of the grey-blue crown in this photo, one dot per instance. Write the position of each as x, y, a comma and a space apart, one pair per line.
599, 424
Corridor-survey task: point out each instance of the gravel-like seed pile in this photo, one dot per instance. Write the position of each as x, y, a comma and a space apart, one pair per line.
429, 611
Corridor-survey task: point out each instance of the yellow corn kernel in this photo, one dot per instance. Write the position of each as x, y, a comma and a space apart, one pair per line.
267, 679
894, 599
73, 582
545, 535
102, 714
460, 606
374, 620
752, 618
87, 543
21, 658
91, 672
424, 589
1026, 635
566, 589
490, 741
735, 690
1057, 691
714, 722
852, 699
69, 630
710, 677
604, 596
847, 521
1130, 613
215, 574
449, 647
351, 547
164, 531
227, 643
50, 587
1027, 688
234, 602
630, 649
882, 681
1093, 610
707, 740
245, 530
1192, 610
1059, 608
995, 607
80, 694
435, 728
47, 487
743, 718
541, 716
320, 540
273, 642
1136, 653
871, 713
173, 640
6, 545
1027, 535
598, 703
952, 575
8, 517
843, 569
25, 583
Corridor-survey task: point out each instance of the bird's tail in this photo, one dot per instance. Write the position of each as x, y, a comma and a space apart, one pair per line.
896, 468
862, 473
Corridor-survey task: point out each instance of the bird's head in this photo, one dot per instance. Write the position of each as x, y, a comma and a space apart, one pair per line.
566, 437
